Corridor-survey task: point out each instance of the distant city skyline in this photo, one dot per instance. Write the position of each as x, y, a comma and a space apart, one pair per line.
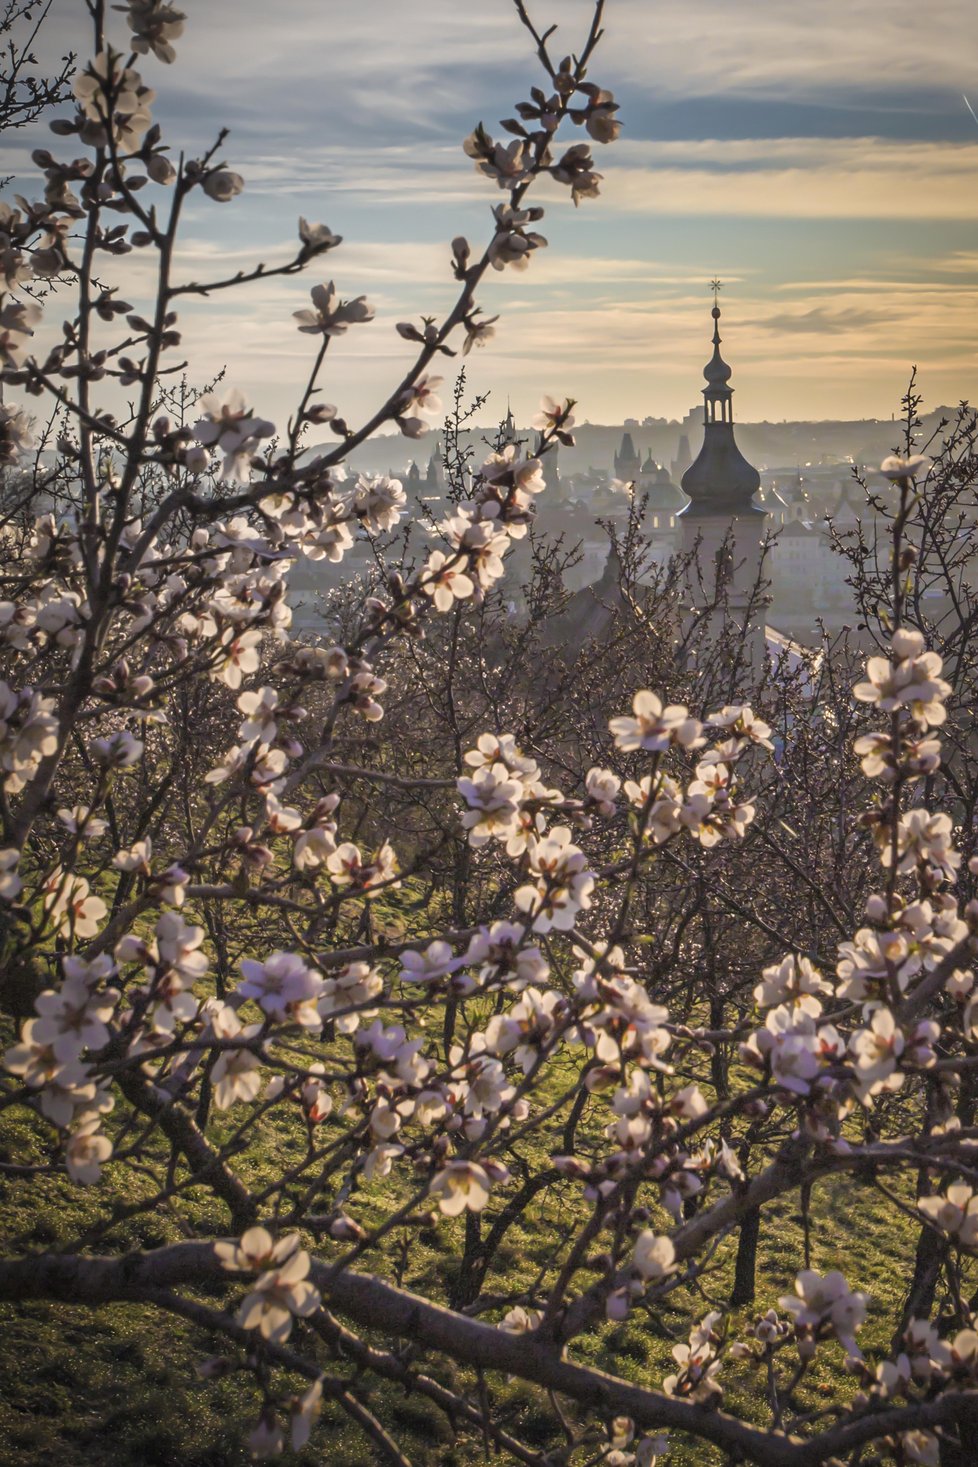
820, 160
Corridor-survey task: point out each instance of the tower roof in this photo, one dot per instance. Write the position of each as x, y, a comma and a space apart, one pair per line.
663, 494
716, 371
720, 481
627, 453
507, 428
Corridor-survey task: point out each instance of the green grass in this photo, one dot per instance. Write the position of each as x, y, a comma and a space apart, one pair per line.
117, 1387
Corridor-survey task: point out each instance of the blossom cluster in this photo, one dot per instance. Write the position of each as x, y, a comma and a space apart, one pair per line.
405, 1055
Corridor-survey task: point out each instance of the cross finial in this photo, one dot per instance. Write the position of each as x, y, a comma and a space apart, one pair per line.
716, 286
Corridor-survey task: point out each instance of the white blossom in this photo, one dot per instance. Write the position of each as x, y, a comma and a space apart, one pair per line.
655, 728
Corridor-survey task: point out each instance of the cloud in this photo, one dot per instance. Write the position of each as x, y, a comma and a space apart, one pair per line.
349, 67
961, 262
820, 321
835, 48
788, 177
806, 178
852, 254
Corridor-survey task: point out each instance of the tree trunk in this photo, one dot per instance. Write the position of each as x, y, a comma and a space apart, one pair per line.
746, 1268
923, 1282
468, 1280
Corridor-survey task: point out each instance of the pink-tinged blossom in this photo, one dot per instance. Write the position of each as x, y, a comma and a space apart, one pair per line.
313, 847
348, 867
154, 25
349, 995
653, 1258
266, 1438
10, 883
120, 750
178, 944
655, 728
922, 839
826, 1305
526, 1029
33, 1061
222, 185
432, 966
329, 315
80, 821
15, 434
317, 238
128, 114
423, 396
501, 749
256, 1251
553, 414
743, 725
876, 1051
504, 957
908, 679
236, 1075
956, 1213
459, 1186
17, 322
72, 1018
261, 710
279, 1295
697, 1365
620, 1019
378, 502
513, 243
71, 906
794, 981
492, 798
238, 658
303, 1413
445, 580
86, 1153
28, 734
561, 885
897, 468
508, 164
284, 988
602, 788
227, 424
789, 1042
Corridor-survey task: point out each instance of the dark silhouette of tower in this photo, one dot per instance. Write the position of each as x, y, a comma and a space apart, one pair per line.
721, 522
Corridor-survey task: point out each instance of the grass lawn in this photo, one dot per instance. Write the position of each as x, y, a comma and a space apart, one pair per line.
117, 1387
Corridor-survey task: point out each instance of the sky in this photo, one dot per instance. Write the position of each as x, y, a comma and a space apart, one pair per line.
818, 158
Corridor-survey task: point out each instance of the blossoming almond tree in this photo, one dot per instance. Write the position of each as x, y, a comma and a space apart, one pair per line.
201, 979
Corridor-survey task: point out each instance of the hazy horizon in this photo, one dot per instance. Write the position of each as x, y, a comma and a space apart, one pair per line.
820, 161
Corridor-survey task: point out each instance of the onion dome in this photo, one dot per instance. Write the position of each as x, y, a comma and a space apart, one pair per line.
720, 481
716, 371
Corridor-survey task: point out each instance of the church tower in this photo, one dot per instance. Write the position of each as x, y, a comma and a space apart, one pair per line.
683, 459
507, 429
721, 525
628, 461
551, 470
435, 473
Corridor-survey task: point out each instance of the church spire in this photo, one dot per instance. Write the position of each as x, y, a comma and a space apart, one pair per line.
722, 527
717, 394
720, 481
